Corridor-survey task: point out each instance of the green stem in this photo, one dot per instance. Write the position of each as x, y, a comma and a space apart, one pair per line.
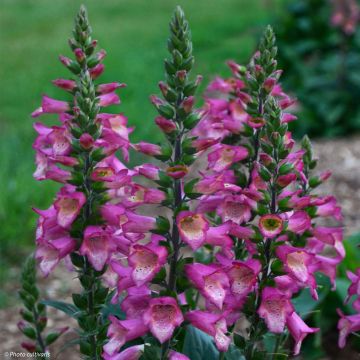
39, 338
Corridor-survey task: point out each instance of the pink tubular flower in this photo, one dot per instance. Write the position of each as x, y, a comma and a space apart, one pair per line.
274, 309
243, 276
212, 324
347, 325
225, 155
162, 317
296, 261
136, 302
51, 106
46, 169
49, 253
147, 148
329, 208
354, 288
109, 88
210, 280
192, 228
298, 330
131, 353
149, 171
235, 208
173, 355
299, 222
97, 70
108, 99
138, 223
167, 126
97, 246
121, 331
68, 85
68, 205
146, 261
270, 225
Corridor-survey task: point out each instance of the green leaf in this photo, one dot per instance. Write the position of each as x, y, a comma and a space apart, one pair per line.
304, 304
80, 301
66, 308
234, 354
199, 346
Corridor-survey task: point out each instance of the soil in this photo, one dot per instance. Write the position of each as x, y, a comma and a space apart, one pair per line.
341, 156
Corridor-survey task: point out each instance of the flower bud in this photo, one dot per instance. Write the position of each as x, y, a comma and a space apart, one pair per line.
79, 54
86, 141
167, 126
68, 85
177, 171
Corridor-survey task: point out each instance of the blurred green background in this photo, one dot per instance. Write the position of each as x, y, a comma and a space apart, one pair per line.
134, 33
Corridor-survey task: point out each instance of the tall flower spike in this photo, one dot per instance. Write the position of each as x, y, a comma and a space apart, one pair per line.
176, 118
83, 142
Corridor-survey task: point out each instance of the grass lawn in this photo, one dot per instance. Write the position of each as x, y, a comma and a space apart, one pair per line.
134, 33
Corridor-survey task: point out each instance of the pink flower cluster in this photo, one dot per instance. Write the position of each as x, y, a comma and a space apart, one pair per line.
346, 15
61, 153
227, 228
350, 323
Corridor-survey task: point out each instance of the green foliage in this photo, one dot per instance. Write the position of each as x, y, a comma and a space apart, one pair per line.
34, 314
199, 346
321, 65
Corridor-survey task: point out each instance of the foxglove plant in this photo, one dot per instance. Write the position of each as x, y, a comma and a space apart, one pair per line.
79, 153
219, 233
265, 199
156, 295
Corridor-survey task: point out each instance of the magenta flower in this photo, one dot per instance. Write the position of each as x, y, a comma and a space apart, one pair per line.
192, 228
296, 260
51, 106
167, 126
65, 84
147, 148
68, 205
243, 276
46, 169
173, 355
49, 253
299, 222
298, 330
329, 207
146, 261
149, 171
121, 331
97, 246
225, 155
162, 317
109, 88
134, 223
212, 324
270, 225
136, 302
108, 99
210, 280
354, 288
274, 309
235, 208
347, 325
131, 353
